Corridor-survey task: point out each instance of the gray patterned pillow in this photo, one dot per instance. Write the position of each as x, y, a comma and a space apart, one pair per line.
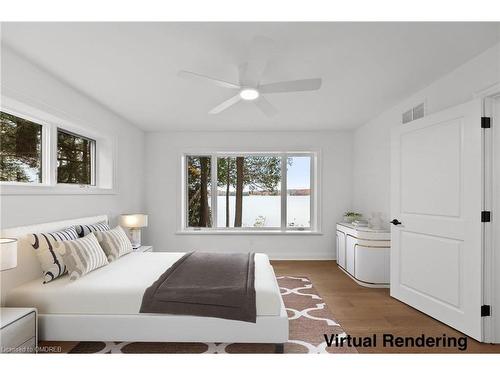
115, 243
85, 229
46, 247
82, 256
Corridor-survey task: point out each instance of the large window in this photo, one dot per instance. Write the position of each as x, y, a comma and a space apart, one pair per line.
260, 191
75, 159
20, 149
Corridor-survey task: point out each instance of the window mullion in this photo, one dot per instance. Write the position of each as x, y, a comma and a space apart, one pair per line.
52, 147
283, 190
214, 196
186, 191
46, 154
93, 164
312, 193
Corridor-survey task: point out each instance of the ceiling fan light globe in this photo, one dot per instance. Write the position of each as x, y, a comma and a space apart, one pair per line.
249, 94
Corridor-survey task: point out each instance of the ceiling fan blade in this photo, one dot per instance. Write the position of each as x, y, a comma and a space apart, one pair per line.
252, 70
218, 82
225, 105
290, 86
266, 107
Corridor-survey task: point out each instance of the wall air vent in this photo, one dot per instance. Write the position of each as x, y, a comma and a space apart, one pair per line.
407, 116
418, 111
414, 113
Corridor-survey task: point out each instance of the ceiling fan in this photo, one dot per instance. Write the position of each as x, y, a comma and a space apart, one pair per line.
249, 88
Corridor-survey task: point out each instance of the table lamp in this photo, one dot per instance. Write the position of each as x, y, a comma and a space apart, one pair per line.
134, 222
8, 253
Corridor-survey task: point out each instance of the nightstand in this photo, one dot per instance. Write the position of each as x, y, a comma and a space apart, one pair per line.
18, 333
144, 249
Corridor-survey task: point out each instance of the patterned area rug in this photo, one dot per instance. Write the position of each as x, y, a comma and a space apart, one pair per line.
308, 315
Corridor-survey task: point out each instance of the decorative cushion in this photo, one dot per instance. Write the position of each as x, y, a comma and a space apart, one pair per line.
115, 243
46, 246
82, 256
83, 230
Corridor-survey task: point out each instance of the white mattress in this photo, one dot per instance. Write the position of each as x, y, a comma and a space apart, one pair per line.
118, 287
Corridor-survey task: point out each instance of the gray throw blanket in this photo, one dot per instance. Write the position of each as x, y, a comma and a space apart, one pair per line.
206, 284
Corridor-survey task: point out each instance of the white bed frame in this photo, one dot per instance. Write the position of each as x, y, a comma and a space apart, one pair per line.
140, 327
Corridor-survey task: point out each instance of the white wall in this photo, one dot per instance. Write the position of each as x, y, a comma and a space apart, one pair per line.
26, 83
372, 140
163, 188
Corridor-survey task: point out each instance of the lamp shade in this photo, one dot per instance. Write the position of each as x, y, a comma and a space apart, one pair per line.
8, 253
134, 220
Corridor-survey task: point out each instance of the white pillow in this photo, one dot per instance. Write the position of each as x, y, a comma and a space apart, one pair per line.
82, 256
114, 242
85, 229
46, 247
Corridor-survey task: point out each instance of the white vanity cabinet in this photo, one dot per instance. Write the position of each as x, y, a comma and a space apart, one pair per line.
363, 254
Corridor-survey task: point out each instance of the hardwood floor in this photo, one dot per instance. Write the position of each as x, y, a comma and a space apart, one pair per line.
366, 311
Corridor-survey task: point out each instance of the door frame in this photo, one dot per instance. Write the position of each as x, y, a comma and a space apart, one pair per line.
491, 202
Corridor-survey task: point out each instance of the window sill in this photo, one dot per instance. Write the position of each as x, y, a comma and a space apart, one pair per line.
250, 232
19, 189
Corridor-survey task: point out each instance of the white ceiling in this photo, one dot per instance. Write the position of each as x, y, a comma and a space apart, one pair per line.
131, 68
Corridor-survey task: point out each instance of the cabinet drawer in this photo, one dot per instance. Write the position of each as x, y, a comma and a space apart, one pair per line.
18, 333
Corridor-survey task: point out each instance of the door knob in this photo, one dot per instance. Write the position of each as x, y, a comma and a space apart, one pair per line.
396, 222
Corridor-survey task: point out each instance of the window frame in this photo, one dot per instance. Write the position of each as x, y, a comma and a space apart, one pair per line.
186, 193
45, 139
93, 158
314, 227
105, 151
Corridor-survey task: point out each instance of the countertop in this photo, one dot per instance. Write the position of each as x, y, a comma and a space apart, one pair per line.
364, 229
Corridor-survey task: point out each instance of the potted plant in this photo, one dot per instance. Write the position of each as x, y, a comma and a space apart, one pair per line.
350, 216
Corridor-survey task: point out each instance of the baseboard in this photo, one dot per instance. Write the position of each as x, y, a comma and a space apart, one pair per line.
294, 256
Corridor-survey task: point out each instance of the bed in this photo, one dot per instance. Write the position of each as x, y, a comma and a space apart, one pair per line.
104, 305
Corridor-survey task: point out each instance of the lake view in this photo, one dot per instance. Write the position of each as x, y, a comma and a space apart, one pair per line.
266, 210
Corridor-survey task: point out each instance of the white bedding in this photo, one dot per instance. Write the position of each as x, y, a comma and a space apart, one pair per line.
118, 287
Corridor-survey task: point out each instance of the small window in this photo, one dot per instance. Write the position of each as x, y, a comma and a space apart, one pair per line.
20, 149
75, 159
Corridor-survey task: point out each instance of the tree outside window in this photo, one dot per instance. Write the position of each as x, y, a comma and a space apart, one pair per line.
20, 149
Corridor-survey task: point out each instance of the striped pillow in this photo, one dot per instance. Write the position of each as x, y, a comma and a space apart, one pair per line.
115, 243
83, 230
46, 246
82, 256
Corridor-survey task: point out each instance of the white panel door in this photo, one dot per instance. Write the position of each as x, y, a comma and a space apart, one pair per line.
436, 195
